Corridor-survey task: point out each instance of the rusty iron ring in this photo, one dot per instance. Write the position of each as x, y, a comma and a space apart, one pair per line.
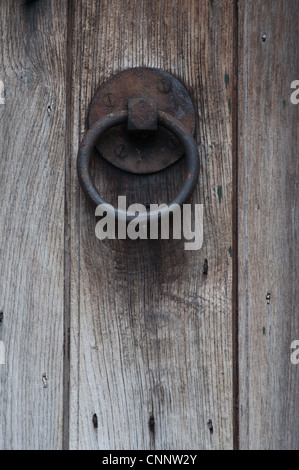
90, 140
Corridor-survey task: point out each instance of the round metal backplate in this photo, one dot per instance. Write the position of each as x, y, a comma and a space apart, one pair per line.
145, 152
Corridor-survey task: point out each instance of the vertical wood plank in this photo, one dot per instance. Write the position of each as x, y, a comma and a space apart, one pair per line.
268, 224
32, 132
151, 336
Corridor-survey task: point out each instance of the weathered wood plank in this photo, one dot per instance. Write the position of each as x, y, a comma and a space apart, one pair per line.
32, 130
268, 224
151, 334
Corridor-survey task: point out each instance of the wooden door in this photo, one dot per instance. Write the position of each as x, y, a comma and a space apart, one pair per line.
141, 344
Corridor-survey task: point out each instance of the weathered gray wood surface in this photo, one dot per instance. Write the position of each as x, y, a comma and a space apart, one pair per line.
32, 134
151, 334
153, 352
268, 224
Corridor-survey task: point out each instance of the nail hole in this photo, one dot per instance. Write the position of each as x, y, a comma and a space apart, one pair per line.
210, 426
206, 267
45, 381
264, 37
151, 423
95, 421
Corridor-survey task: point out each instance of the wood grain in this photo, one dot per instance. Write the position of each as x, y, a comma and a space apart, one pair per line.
268, 224
32, 129
151, 334
150, 363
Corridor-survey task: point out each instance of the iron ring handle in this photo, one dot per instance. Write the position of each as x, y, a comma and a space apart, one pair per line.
89, 142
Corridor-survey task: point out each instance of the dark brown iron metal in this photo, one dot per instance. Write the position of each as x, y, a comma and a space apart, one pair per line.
167, 121
134, 151
142, 115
